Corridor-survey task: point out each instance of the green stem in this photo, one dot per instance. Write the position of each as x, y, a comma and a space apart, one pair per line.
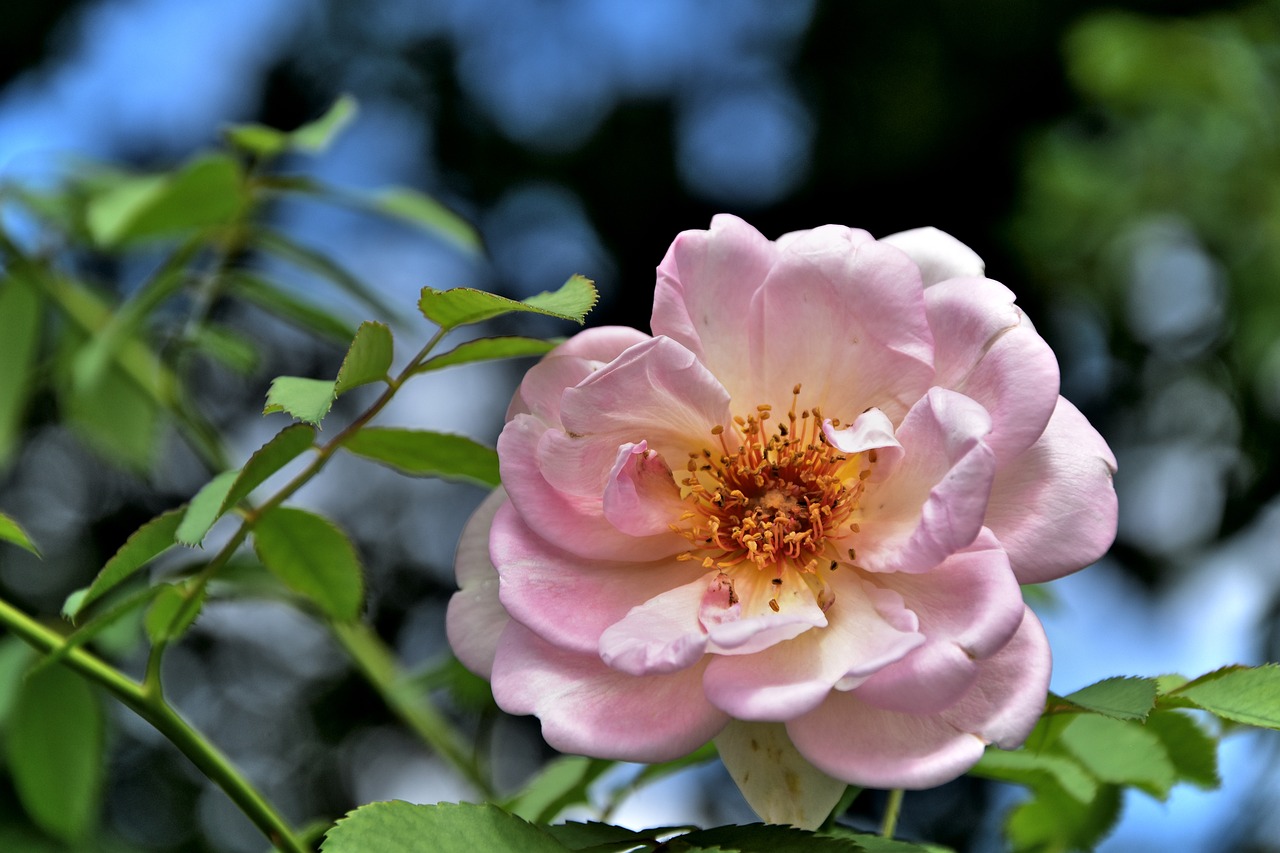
891, 810
152, 708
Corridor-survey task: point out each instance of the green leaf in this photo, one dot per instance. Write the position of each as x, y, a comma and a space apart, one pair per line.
308, 400
560, 784
209, 191
461, 306
1024, 767
174, 610
488, 349
20, 321
1120, 752
205, 508
604, 837
99, 626
445, 828
287, 445
427, 454
1241, 694
11, 531
275, 300
313, 558
116, 417
1123, 698
879, 844
146, 543
227, 347
773, 838
311, 138
422, 210
369, 358
55, 752
1193, 751
1053, 820
307, 258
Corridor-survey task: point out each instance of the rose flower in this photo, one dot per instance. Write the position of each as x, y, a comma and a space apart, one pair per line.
794, 520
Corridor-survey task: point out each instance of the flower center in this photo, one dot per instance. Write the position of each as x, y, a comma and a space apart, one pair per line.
776, 500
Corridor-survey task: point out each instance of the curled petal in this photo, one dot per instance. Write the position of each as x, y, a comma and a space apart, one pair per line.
589, 709
758, 625
641, 497
661, 635
475, 617
777, 781
1054, 506
872, 430
567, 365
939, 255
934, 503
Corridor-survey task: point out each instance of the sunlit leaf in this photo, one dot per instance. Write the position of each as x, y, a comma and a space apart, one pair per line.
1249, 695
462, 306
1124, 698
1120, 752
369, 358
1054, 820
308, 400
208, 191
313, 558
311, 138
1026, 767
205, 508
11, 531
1193, 751
488, 349
560, 784
20, 321
55, 752
427, 454
146, 543
285, 446
445, 827
424, 211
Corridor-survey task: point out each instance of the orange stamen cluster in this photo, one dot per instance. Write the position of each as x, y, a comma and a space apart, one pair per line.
775, 499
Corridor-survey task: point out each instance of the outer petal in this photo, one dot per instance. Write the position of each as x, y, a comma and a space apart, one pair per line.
567, 365
1054, 507
969, 608
475, 617
939, 255
868, 628
778, 782
661, 635
564, 598
934, 503
985, 348
589, 709
888, 749
572, 523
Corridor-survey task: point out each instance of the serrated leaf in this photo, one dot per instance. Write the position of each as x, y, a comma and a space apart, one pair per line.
560, 784
422, 210
1120, 752
1124, 698
146, 543
461, 306
445, 827
1025, 767
769, 838
1193, 751
369, 358
11, 531
488, 349
1053, 820
878, 844
313, 558
1248, 695
308, 400
55, 752
20, 315
173, 611
275, 300
420, 453
205, 509
602, 837
287, 445
206, 192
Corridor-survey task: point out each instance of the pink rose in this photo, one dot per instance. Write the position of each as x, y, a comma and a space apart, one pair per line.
794, 520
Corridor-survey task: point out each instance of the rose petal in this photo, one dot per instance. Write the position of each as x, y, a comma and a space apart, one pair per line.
939, 255
778, 783
933, 504
662, 635
641, 497
1054, 506
872, 430
475, 617
589, 709
759, 626
987, 350
567, 599
567, 365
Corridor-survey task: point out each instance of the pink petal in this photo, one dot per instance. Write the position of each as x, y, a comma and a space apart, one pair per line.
875, 748
969, 607
780, 785
475, 617
573, 523
567, 599
939, 255
868, 628
641, 497
567, 365
661, 635
871, 431
1054, 507
933, 504
985, 348
758, 626
589, 709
